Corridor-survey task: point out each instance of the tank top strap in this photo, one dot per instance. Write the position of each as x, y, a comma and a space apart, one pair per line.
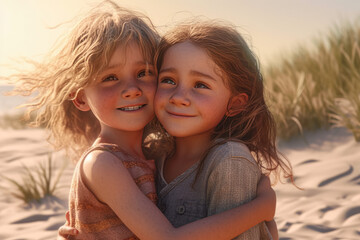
121, 155
108, 147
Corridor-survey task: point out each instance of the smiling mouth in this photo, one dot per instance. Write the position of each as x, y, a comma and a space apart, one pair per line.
132, 108
180, 114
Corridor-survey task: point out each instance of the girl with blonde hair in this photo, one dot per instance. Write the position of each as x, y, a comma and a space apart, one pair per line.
96, 96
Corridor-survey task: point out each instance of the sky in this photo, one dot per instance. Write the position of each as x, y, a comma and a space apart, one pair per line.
272, 27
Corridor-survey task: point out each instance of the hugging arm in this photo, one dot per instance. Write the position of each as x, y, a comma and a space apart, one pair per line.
234, 182
144, 219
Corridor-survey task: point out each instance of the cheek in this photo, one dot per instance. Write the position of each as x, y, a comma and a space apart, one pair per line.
150, 88
103, 104
215, 112
159, 104
109, 96
214, 108
160, 98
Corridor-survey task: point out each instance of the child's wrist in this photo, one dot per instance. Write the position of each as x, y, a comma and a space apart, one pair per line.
266, 201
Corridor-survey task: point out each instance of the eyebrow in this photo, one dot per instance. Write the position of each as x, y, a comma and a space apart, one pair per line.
200, 74
139, 63
192, 72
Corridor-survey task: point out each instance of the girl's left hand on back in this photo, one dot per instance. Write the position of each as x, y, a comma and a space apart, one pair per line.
65, 232
265, 191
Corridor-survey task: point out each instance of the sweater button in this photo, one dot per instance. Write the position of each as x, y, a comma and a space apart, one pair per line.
180, 209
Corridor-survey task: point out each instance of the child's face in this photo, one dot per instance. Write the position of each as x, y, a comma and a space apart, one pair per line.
191, 97
122, 97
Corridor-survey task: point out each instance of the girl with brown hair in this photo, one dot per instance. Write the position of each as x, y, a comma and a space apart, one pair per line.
210, 98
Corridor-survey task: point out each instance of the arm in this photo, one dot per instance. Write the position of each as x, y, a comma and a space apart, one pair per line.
232, 183
264, 186
102, 170
265, 194
65, 231
273, 229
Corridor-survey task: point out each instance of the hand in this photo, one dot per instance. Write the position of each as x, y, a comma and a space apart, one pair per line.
264, 185
65, 232
268, 196
273, 229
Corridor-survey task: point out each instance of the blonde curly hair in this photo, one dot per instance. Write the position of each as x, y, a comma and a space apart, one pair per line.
73, 65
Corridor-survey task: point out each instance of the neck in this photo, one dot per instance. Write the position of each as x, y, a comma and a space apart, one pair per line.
129, 141
192, 148
189, 150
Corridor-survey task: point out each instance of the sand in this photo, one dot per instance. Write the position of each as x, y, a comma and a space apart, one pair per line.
35, 220
326, 165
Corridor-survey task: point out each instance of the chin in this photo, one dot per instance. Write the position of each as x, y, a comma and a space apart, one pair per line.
178, 133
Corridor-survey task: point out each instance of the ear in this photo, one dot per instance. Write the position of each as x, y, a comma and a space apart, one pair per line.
80, 101
237, 104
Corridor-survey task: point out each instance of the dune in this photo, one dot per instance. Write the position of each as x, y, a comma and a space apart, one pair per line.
326, 166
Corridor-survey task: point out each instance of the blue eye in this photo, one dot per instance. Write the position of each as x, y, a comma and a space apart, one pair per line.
201, 85
110, 78
167, 81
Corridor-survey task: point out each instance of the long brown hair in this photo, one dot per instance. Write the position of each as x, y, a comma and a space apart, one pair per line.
253, 125
83, 53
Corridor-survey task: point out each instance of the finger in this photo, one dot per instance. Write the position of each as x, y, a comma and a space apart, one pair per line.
67, 215
64, 231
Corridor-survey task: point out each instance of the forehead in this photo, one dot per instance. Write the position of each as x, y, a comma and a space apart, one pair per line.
189, 56
126, 52
187, 48
188, 51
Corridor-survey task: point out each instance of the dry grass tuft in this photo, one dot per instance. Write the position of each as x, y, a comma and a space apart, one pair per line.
36, 183
307, 90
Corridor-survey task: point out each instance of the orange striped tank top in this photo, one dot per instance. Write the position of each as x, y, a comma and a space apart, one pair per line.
96, 220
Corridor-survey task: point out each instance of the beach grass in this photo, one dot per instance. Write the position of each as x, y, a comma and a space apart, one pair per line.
314, 87
36, 183
347, 113
13, 121
318, 86
18, 120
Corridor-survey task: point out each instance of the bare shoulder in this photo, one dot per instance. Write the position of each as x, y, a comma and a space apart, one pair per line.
100, 170
101, 161
102, 165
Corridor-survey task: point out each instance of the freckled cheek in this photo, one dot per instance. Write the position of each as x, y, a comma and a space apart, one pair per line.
107, 99
205, 101
149, 90
213, 109
160, 97
152, 91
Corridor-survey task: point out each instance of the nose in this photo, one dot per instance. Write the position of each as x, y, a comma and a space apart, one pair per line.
132, 90
180, 98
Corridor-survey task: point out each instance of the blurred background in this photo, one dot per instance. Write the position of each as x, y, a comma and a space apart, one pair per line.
305, 47
27, 28
310, 59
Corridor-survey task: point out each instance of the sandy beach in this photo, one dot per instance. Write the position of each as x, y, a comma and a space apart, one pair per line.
37, 220
326, 166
